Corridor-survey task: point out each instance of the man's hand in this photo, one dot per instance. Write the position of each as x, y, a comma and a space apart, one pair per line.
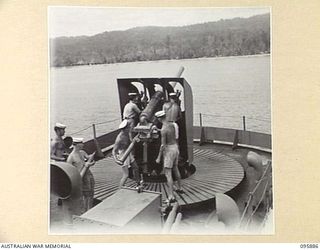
136, 139
116, 159
119, 162
154, 128
57, 158
158, 160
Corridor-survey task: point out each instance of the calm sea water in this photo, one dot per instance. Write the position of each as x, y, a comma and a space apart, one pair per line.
224, 90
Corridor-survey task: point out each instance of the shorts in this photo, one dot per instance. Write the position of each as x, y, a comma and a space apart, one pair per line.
130, 159
88, 183
170, 156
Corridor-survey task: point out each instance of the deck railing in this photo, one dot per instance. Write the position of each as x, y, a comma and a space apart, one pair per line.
207, 132
245, 123
104, 133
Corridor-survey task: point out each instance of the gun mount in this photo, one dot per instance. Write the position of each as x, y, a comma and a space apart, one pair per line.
146, 133
155, 92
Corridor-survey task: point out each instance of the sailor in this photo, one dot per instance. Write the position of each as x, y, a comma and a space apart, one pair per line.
131, 112
173, 111
57, 147
170, 151
68, 140
121, 144
173, 114
172, 108
78, 158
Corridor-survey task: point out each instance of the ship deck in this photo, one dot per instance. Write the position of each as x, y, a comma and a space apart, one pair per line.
216, 172
219, 169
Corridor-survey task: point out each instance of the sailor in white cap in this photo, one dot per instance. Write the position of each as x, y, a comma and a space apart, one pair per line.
77, 140
80, 159
131, 112
57, 147
169, 150
60, 125
132, 94
160, 114
120, 146
173, 94
172, 108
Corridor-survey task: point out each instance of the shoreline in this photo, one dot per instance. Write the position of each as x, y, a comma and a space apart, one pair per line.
165, 60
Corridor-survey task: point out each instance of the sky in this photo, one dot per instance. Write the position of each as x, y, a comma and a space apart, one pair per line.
79, 21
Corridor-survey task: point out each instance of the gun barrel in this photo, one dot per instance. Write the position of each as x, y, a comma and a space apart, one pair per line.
151, 108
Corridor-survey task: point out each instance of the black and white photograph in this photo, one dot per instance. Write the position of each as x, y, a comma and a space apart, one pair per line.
160, 121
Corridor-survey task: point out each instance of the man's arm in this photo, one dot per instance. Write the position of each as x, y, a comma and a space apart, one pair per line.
179, 112
163, 143
165, 107
136, 109
115, 151
85, 155
130, 133
70, 159
89, 158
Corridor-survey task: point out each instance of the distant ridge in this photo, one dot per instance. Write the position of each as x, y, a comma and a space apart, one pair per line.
232, 37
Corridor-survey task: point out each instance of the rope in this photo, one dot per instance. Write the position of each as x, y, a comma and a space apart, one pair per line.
220, 115
107, 121
258, 119
95, 124
233, 116
80, 130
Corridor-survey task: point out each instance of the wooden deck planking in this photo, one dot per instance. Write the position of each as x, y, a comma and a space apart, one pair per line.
215, 172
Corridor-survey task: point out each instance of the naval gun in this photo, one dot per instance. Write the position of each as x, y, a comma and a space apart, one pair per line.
146, 131
146, 142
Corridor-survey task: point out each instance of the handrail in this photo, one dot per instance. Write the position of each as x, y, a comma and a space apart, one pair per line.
203, 114
256, 208
252, 193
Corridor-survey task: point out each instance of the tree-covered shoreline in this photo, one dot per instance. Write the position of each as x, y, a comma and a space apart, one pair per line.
234, 37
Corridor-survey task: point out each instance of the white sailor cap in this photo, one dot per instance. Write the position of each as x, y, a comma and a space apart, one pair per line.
132, 94
60, 125
173, 94
123, 124
160, 113
77, 140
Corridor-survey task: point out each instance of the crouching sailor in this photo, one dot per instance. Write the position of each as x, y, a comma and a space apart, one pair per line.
120, 146
78, 158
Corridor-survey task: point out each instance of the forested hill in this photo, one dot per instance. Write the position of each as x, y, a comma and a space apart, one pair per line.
238, 36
